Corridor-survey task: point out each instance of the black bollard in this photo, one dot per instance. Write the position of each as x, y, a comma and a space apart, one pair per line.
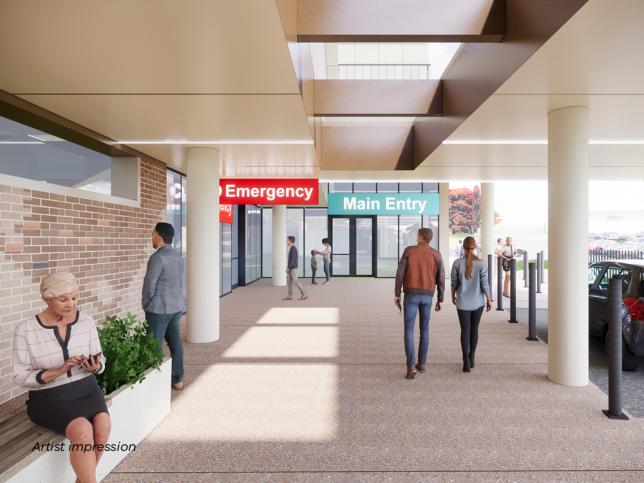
532, 303
615, 350
525, 269
490, 274
513, 291
541, 268
499, 283
538, 272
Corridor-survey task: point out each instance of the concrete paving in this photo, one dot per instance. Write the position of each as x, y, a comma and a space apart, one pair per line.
314, 391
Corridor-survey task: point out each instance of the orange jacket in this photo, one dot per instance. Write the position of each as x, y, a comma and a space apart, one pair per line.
421, 270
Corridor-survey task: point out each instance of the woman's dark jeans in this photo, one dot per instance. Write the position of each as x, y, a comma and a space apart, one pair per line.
469, 320
327, 269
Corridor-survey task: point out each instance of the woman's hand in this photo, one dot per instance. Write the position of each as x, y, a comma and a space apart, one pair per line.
91, 364
454, 298
488, 305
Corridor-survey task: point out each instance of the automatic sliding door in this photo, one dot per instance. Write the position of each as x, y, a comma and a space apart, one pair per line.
364, 246
340, 256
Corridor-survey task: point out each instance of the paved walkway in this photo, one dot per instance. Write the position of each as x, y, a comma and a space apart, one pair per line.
314, 390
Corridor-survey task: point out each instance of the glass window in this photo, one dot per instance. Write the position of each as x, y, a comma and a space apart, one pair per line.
430, 187
387, 245
341, 246
364, 187
408, 231
226, 250
235, 232
411, 187
253, 243
340, 187
593, 272
295, 227
175, 207
28, 153
267, 242
387, 187
315, 223
431, 222
614, 271
364, 246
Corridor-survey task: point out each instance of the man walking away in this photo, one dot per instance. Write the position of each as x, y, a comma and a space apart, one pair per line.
163, 298
420, 273
291, 271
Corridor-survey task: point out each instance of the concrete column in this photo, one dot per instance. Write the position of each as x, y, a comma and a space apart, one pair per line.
567, 240
203, 244
279, 246
488, 244
443, 225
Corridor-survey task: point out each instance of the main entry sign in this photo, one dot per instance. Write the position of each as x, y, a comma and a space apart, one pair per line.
383, 204
269, 191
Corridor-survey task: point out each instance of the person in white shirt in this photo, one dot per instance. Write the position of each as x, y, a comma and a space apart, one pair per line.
507, 253
56, 354
326, 259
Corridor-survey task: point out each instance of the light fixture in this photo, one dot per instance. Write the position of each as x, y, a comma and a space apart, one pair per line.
214, 141
527, 142
21, 142
45, 137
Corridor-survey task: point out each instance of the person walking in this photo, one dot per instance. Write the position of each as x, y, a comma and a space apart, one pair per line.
507, 253
163, 299
291, 271
314, 266
470, 292
420, 275
326, 259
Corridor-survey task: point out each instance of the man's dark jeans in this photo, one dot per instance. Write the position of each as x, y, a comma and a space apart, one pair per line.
166, 326
417, 303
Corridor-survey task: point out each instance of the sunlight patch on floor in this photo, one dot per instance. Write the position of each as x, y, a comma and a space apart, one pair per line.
271, 341
301, 315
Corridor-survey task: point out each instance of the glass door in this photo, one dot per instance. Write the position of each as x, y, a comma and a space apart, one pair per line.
352, 239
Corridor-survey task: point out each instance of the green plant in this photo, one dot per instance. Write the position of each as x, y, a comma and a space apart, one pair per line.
130, 349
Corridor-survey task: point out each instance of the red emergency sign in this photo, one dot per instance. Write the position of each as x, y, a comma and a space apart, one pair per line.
269, 191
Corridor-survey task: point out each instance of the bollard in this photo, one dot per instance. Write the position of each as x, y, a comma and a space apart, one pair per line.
513, 291
541, 269
499, 283
525, 269
538, 272
532, 303
615, 350
490, 274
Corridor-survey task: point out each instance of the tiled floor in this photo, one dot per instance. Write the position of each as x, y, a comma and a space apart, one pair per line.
314, 391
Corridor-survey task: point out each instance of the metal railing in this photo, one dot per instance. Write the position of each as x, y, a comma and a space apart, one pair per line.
384, 71
599, 255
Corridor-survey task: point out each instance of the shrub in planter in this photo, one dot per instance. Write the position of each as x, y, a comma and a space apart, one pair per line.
130, 349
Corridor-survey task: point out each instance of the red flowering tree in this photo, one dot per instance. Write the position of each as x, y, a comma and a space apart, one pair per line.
464, 210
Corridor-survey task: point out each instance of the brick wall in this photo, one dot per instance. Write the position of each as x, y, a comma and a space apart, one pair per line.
105, 245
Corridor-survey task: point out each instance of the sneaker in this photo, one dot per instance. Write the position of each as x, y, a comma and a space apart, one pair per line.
177, 385
288, 298
304, 296
327, 282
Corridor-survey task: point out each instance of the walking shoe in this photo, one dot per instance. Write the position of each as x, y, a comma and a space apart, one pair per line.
304, 296
411, 373
288, 298
466, 364
420, 367
314, 283
327, 282
177, 385
472, 360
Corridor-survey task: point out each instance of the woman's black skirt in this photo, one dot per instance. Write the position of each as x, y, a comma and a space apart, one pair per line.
55, 407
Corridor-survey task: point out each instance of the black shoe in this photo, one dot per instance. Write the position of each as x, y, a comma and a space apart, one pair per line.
411, 373
466, 364
472, 360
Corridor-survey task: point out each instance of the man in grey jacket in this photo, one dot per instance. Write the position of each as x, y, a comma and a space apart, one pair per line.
291, 271
163, 298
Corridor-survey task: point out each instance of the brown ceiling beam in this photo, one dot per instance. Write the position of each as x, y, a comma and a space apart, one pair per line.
377, 98
471, 21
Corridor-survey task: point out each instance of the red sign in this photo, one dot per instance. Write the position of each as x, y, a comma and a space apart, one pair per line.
226, 213
269, 191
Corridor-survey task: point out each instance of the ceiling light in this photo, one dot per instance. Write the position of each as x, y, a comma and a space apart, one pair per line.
215, 141
525, 142
45, 137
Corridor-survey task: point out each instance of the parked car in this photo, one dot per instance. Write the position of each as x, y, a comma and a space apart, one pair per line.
631, 272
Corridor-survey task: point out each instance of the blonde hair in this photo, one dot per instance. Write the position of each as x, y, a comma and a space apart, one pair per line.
57, 284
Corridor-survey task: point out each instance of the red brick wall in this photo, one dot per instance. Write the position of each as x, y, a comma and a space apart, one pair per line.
105, 245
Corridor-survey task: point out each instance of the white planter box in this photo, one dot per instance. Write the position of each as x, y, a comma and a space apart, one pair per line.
134, 411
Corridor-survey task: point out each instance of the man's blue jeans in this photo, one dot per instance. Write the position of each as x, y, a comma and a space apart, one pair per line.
412, 304
166, 326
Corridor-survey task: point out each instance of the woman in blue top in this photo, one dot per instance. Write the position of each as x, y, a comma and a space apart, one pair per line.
470, 292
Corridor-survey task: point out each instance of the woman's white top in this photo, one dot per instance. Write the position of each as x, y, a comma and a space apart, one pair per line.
326, 252
507, 251
37, 348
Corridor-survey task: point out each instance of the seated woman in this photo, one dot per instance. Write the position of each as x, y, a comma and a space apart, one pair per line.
55, 355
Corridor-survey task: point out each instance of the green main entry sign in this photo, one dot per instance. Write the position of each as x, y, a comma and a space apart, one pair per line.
383, 204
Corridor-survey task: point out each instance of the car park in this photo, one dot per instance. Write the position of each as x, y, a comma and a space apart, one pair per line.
631, 272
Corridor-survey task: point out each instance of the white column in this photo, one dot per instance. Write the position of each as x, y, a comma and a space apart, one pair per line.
203, 244
279, 246
567, 240
488, 243
443, 225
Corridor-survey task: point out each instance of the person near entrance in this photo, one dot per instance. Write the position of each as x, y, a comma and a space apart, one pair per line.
314, 266
163, 299
291, 271
420, 275
470, 292
507, 253
326, 259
